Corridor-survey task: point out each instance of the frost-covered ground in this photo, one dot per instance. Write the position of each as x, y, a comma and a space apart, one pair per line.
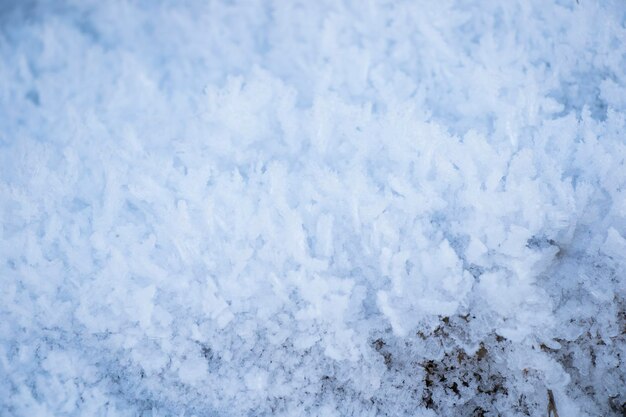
321, 208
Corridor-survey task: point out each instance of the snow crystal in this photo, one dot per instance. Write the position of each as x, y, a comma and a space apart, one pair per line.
331, 208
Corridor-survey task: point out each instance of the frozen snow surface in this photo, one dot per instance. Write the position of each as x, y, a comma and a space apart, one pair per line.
320, 208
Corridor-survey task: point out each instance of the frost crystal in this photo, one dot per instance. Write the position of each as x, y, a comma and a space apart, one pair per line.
324, 208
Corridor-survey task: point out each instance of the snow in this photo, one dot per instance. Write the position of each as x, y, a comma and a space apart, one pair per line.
332, 208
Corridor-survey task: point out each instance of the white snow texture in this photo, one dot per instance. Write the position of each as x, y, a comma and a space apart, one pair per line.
317, 208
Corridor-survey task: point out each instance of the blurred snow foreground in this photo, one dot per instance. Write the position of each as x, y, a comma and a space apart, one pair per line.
328, 208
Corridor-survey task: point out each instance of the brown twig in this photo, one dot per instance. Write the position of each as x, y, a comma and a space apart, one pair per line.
552, 405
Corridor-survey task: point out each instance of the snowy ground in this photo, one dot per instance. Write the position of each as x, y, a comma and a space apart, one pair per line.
321, 208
